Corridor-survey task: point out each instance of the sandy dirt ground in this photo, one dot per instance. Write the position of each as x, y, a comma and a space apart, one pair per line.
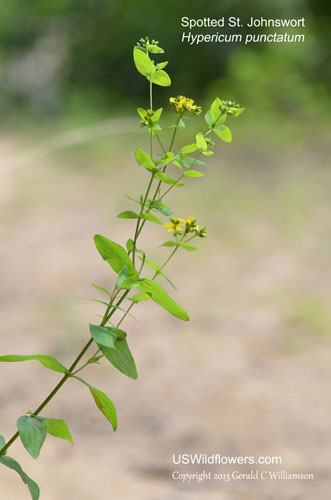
248, 375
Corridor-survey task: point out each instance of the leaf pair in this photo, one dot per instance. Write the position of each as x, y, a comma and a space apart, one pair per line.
146, 67
33, 431
112, 343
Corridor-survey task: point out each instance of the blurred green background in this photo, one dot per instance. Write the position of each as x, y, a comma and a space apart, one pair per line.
249, 375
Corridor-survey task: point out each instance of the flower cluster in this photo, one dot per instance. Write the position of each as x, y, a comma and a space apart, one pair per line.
144, 43
180, 226
229, 107
182, 104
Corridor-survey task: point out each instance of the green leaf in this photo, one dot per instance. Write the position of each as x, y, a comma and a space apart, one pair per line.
57, 428
114, 254
47, 361
236, 111
122, 276
190, 148
12, 464
208, 153
215, 109
162, 208
140, 297
168, 180
144, 160
103, 336
128, 214
160, 296
129, 283
161, 78
105, 405
129, 245
3, 441
142, 62
121, 358
150, 217
181, 123
142, 113
157, 115
169, 244
223, 133
201, 142
166, 159
193, 173
32, 433
162, 65
101, 289
187, 247
209, 119
154, 49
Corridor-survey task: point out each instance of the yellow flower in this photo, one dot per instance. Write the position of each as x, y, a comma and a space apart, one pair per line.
190, 224
175, 225
183, 104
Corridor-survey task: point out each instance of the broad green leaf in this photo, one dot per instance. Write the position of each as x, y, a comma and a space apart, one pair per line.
154, 49
128, 214
209, 119
162, 65
140, 297
103, 336
208, 153
103, 402
114, 254
142, 113
57, 428
160, 296
32, 433
193, 173
215, 109
160, 77
186, 246
129, 245
169, 244
101, 289
190, 148
168, 180
223, 133
201, 142
157, 115
47, 361
150, 217
143, 63
12, 464
122, 276
121, 358
144, 160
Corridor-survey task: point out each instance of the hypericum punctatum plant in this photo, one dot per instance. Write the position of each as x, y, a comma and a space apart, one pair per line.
129, 264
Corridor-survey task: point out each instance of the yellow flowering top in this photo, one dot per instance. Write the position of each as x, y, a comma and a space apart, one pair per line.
182, 104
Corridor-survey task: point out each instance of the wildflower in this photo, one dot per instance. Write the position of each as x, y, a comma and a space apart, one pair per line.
175, 225
182, 104
190, 224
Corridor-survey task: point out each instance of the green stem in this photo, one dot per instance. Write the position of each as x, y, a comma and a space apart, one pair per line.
174, 134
